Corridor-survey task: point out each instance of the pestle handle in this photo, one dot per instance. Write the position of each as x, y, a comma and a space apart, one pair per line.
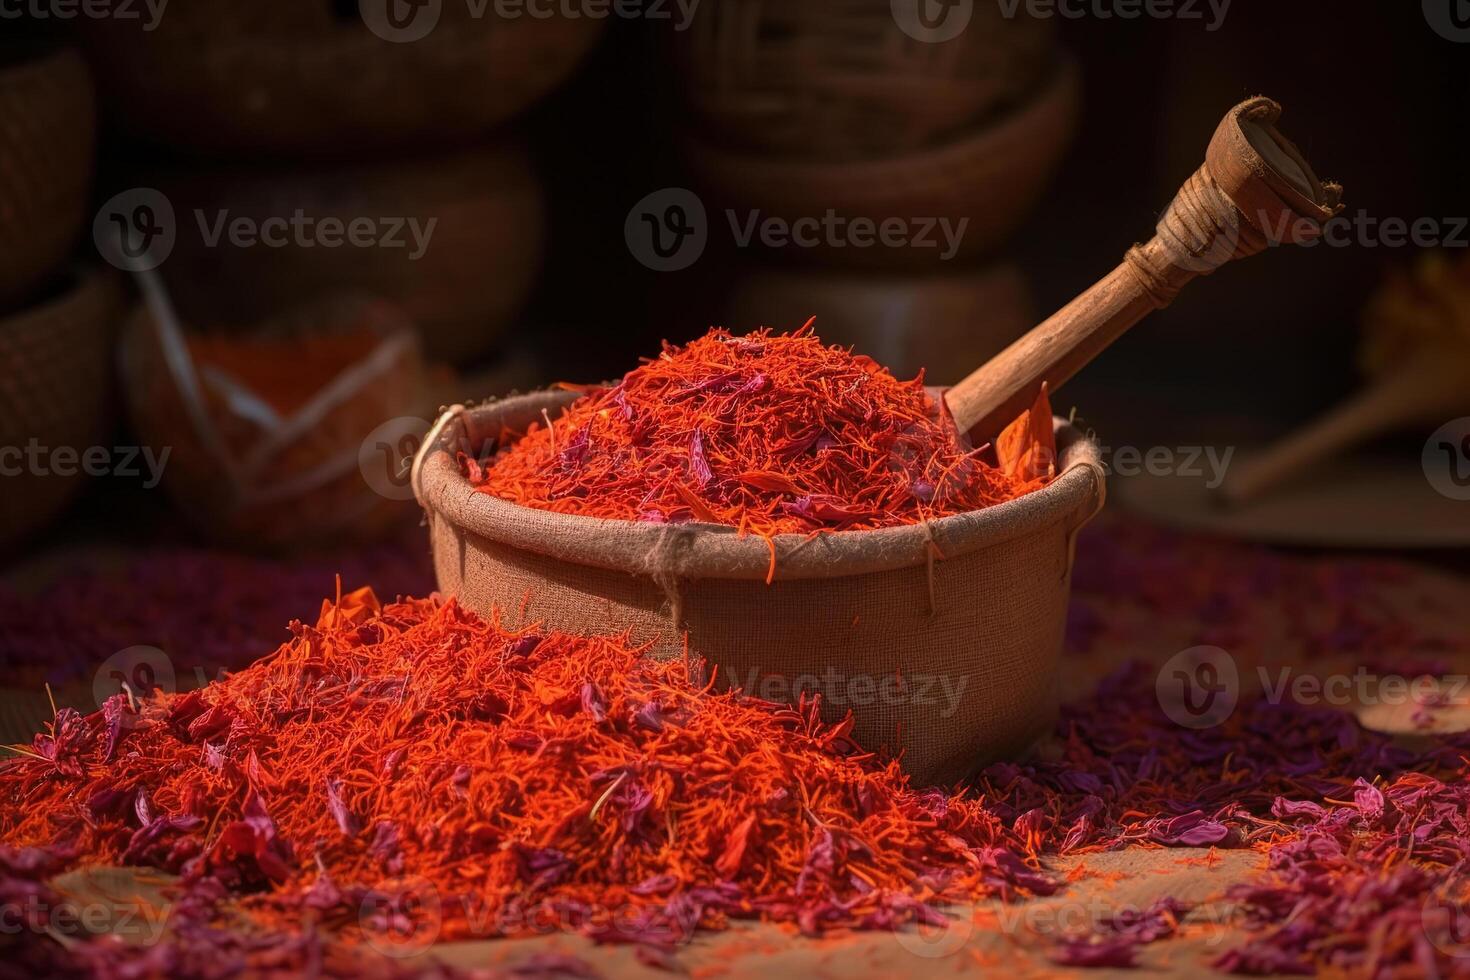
1432, 384
1254, 189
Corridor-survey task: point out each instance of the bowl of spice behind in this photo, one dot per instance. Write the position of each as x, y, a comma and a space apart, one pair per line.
265, 427
841, 80
925, 590
47, 139
284, 78
961, 196
455, 240
55, 395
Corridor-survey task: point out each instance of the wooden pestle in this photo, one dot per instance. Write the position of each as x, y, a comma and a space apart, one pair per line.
1254, 189
1431, 385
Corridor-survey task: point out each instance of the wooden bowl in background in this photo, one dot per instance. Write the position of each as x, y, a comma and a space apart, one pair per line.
294, 484
481, 261
942, 325
990, 175
839, 79
57, 389
282, 77
47, 141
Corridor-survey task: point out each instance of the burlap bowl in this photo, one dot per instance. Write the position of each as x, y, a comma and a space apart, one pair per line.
942, 639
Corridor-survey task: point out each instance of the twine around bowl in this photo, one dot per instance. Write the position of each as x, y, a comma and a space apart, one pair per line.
47, 140
942, 638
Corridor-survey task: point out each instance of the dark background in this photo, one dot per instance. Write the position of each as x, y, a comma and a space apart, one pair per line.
1374, 97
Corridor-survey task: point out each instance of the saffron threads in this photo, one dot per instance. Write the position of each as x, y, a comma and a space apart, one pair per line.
573, 786
768, 433
521, 778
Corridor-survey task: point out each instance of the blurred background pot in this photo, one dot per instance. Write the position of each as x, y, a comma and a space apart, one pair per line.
47, 139
839, 80
939, 324
284, 77
56, 393
478, 259
268, 460
989, 175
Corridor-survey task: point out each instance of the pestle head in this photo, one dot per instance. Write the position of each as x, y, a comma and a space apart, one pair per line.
1266, 177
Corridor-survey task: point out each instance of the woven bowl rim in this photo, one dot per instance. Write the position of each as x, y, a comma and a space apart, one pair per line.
1057, 89
705, 551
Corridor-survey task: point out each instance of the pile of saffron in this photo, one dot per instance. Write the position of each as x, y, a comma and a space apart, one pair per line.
767, 433
393, 755
527, 781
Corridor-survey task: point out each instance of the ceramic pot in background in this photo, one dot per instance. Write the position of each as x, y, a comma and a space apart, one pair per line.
283, 77
988, 176
462, 280
56, 389
942, 325
47, 143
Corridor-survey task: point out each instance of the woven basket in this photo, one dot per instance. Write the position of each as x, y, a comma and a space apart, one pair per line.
463, 292
282, 77
990, 176
285, 487
957, 656
47, 138
56, 388
839, 79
